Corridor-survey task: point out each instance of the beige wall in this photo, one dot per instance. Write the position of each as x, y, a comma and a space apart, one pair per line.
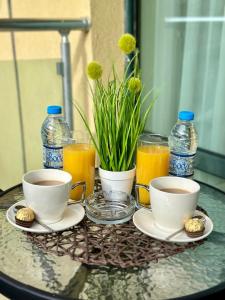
37, 55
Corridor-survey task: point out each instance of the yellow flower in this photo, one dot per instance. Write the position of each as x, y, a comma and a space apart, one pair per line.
134, 85
127, 43
94, 70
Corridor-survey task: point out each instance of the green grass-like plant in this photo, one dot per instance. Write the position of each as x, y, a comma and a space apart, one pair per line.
117, 112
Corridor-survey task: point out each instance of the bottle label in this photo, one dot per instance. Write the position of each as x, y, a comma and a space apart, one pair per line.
181, 164
53, 157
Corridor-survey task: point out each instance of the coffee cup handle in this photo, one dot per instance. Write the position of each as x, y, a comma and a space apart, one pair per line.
144, 186
77, 184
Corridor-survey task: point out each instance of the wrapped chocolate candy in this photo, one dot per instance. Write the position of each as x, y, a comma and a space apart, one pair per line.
25, 217
194, 227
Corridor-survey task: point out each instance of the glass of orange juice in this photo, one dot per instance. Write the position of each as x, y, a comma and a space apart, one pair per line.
79, 161
152, 160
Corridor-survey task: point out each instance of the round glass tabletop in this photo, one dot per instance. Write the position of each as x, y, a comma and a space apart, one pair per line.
198, 270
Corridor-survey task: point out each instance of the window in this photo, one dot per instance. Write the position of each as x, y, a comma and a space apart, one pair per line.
183, 57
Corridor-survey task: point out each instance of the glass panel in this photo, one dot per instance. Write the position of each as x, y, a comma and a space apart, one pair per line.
183, 57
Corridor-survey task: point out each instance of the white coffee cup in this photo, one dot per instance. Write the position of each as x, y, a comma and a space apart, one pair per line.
170, 210
47, 201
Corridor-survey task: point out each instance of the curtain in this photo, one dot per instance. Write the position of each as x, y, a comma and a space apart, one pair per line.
187, 67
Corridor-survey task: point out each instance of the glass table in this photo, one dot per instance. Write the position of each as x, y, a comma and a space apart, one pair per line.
28, 272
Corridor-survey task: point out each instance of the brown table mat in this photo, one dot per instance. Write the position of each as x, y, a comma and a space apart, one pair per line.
121, 245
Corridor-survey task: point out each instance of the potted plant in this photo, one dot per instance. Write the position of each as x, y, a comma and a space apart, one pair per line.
118, 121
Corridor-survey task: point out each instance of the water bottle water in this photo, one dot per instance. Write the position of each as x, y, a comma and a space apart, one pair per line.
183, 145
54, 131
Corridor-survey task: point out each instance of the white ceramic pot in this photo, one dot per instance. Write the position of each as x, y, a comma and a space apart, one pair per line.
121, 181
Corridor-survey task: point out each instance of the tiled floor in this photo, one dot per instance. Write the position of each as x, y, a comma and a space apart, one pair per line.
217, 182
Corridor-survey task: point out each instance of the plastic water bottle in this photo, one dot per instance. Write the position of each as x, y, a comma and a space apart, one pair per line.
183, 145
54, 132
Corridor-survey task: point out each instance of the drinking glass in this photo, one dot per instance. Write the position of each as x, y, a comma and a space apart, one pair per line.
79, 161
152, 160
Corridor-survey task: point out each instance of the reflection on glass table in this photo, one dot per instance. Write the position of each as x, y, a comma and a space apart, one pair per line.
198, 270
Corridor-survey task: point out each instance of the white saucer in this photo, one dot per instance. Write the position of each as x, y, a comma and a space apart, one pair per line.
73, 215
144, 221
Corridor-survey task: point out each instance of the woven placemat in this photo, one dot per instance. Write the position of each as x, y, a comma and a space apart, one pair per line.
121, 245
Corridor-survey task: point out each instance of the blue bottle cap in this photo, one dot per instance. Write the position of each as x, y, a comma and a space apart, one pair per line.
54, 110
186, 115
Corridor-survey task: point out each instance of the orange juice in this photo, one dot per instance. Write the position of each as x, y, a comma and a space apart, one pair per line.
79, 161
152, 161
